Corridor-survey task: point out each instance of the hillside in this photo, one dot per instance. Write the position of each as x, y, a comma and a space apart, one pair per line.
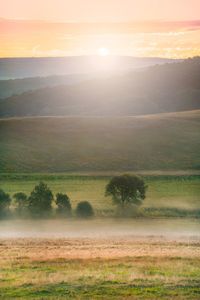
19, 75
59, 144
13, 68
166, 88
19, 86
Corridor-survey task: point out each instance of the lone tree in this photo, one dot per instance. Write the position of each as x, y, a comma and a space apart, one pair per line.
126, 189
5, 201
84, 209
21, 200
63, 203
40, 200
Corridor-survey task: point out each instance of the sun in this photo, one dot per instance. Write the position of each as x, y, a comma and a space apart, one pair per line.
103, 51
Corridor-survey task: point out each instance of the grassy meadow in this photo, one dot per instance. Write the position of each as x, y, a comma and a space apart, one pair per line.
100, 144
43, 269
166, 195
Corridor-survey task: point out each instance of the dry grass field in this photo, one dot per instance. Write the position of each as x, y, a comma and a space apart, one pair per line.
124, 266
99, 269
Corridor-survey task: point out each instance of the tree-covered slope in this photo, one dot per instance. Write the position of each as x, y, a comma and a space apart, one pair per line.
167, 88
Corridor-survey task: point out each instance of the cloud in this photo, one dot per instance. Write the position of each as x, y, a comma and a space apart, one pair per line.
38, 38
22, 26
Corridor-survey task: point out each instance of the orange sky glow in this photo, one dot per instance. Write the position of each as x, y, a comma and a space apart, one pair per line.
130, 27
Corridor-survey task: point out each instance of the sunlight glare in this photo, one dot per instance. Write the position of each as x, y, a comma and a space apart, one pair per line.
103, 51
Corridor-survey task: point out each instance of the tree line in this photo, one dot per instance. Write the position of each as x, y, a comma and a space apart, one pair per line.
126, 191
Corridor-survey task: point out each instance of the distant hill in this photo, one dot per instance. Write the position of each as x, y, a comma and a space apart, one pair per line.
82, 144
166, 88
12, 68
19, 86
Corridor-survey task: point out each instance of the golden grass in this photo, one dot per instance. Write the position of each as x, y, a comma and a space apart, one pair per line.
91, 248
115, 268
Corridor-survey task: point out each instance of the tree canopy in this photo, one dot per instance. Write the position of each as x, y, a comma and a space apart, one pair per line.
5, 201
21, 201
40, 200
126, 189
63, 204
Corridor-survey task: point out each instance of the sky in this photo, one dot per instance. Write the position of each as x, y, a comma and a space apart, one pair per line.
165, 28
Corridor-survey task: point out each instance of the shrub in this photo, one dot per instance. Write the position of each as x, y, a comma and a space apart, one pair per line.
5, 201
84, 209
63, 204
21, 201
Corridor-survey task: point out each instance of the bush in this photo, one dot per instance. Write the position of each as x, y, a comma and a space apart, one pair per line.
40, 200
5, 201
21, 201
63, 203
84, 209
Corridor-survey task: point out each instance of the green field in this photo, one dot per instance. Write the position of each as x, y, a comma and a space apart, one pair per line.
171, 194
95, 279
92, 144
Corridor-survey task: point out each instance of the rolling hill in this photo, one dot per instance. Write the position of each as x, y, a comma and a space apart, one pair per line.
158, 89
13, 68
48, 72
19, 86
83, 144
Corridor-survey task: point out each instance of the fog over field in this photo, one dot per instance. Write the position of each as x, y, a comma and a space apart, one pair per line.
166, 228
